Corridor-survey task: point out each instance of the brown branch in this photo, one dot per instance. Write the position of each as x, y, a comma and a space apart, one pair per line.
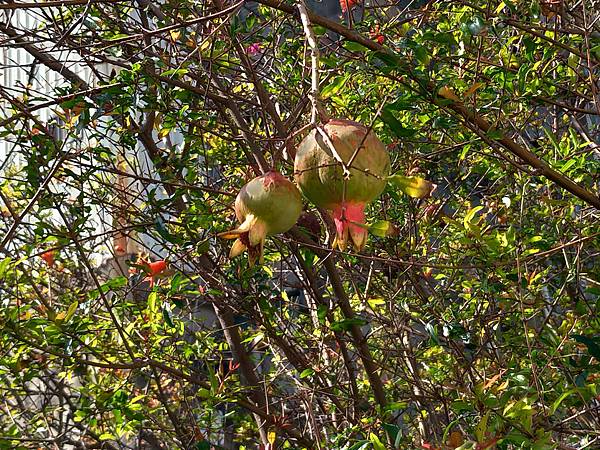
527, 156
249, 378
312, 284
239, 122
456, 106
54, 4
57, 101
178, 25
358, 338
140, 363
46, 59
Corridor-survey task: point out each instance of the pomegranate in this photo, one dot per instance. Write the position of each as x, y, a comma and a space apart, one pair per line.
323, 180
267, 205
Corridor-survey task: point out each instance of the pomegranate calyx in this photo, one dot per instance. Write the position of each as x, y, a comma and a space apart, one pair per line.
349, 219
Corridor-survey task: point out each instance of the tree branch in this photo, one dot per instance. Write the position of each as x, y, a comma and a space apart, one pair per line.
456, 106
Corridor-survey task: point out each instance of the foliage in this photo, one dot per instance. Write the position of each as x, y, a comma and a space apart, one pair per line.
470, 320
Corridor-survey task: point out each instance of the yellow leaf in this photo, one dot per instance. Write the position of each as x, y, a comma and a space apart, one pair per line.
472, 89
206, 44
414, 186
382, 228
157, 121
375, 302
502, 386
163, 133
175, 34
271, 437
491, 381
448, 93
71, 311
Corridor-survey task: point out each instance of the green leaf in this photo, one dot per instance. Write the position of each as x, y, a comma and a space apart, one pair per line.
116, 37
432, 331
494, 134
396, 406
389, 59
592, 346
322, 313
394, 433
560, 399
319, 30
307, 373
4, 265
422, 54
347, 324
414, 186
360, 445
390, 120
530, 251
152, 302
381, 228
175, 73
476, 25
116, 282
166, 312
481, 428
71, 311
334, 87
377, 444
354, 47
570, 163
203, 393
468, 219
162, 229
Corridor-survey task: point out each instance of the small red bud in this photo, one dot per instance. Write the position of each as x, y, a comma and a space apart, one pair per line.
348, 4
376, 35
157, 267
48, 256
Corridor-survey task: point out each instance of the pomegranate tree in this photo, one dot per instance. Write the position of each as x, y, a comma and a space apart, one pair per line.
345, 178
267, 205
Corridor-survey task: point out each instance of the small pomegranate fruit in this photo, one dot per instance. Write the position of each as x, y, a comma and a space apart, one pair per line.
267, 205
321, 177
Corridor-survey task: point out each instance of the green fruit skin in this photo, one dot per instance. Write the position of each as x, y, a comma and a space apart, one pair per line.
320, 176
273, 200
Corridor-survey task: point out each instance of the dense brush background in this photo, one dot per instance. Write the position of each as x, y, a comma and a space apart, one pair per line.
475, 325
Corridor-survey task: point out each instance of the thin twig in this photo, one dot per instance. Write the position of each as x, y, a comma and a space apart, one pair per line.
311, 39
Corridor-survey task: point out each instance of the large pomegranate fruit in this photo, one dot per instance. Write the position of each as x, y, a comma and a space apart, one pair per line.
322, 178
267, 205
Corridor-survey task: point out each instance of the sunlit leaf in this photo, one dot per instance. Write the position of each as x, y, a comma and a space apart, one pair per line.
414, 186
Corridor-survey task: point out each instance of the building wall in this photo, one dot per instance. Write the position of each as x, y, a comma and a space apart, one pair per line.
23, 77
